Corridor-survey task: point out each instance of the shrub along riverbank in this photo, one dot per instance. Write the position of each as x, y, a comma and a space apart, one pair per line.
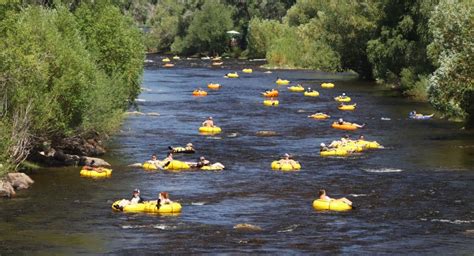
65, 71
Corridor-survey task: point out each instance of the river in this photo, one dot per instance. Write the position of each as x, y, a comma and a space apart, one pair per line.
414, 196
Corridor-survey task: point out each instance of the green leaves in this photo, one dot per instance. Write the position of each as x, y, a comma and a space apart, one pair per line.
66, 73
451, 86
207, 30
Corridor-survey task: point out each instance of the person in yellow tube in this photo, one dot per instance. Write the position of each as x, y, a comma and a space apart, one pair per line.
286, 159
136, 199
324, 197
342, 122
208, 123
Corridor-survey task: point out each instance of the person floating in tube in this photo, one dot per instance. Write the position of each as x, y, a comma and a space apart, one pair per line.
208, 123
136, 199
342, 122
322, 195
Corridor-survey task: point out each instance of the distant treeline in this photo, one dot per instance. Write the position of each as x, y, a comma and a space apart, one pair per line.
422, 47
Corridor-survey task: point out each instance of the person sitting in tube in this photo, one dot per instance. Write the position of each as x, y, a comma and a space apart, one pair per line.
323, 147
188, 149
286, 159
342, 122
153, 160
136, 199
167, 160
324, 197
343, 96
202, 161
346, 139
208, 123
92, 167
163, 198
308, 89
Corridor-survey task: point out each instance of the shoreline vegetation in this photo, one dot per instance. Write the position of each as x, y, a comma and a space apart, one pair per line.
68, 73
70, 69
420, 48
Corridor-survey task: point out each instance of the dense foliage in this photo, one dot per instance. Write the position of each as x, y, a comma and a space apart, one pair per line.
451, 86
64, 73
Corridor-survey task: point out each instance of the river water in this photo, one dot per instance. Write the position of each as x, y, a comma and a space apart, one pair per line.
414, 196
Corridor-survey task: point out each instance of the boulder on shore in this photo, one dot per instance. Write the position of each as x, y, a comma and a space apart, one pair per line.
19, 180
6, 189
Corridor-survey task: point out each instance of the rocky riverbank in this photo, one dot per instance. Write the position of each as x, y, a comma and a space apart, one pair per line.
71, 151
12, 182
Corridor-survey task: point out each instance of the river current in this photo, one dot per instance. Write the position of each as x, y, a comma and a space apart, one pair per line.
413, 197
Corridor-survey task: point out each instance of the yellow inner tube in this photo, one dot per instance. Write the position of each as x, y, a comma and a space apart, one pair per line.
347, 107
296, 88
149, 207
177, 165
327, 85
214, 86
276, 165
342, 99
199, 93
282, 82
352, 147
166, 60
211, 168
232, 75
347, 127
247, 70
271, 102
320, 116
334, 152
311, 94
149, 166
204, 129
368, 144
105, 173
333, 205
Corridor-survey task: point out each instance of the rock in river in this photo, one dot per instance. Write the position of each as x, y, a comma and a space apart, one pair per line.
85, 160
19, 180
6, 189
247, 227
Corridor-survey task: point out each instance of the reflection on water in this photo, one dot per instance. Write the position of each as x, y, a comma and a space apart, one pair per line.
416, 194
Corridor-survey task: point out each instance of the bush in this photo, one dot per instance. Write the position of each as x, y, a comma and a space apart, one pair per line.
116, 45
451, 86
207, 30
61, 75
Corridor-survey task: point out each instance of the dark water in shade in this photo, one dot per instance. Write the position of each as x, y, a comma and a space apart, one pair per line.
413, 197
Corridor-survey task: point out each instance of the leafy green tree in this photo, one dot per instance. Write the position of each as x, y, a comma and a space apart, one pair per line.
165, 25
262, 33
398, 54
54, 83
207, 30
116, 45
451, 87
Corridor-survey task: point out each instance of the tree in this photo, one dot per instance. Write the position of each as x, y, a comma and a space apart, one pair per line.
207, 30
398, 54
451, 86
116, 45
